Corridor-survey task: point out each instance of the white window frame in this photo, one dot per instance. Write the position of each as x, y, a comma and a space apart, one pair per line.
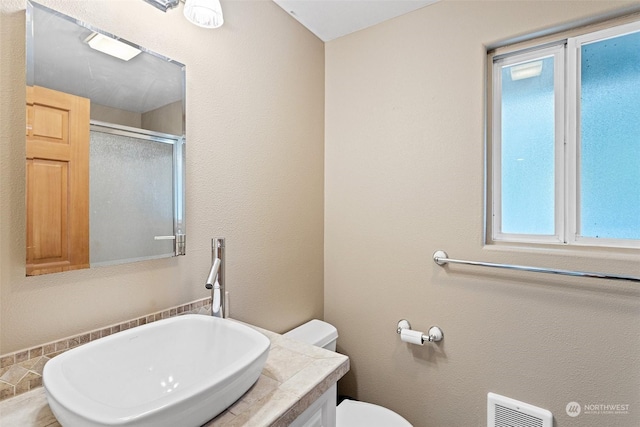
557, 52
567, 61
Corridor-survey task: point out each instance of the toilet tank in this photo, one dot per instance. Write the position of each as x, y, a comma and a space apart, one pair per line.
315, 332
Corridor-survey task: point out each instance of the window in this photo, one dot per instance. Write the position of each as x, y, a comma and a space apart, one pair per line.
565, 142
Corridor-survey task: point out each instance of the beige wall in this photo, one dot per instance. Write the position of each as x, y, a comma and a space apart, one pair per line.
117, 116
404, 178
166, 119
255, 105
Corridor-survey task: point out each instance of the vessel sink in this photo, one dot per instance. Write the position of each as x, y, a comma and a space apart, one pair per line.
181, 371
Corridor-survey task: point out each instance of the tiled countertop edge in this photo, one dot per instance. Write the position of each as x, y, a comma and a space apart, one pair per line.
308, 398
328, 365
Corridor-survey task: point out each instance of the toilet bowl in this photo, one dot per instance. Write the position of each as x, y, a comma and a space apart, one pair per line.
349, 413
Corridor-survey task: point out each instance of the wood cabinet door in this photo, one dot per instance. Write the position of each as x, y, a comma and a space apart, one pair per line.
57, 181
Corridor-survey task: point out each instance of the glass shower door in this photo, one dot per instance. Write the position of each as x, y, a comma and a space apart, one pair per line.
131, 196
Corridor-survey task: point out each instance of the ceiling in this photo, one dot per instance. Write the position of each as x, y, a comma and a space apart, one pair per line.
59, 58
152, 82
330, 19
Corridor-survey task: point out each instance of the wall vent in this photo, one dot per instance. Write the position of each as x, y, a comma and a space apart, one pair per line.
505, 412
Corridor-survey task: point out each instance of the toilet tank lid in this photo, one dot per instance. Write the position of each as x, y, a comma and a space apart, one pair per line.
314, 332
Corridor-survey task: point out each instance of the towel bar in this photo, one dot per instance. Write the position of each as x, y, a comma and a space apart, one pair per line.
441, 258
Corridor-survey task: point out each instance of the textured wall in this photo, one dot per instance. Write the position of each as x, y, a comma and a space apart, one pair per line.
404, 156
255, 113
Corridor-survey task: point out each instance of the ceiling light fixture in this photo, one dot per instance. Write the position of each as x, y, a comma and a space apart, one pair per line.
525, 71
111, 46
204, 13
163, 5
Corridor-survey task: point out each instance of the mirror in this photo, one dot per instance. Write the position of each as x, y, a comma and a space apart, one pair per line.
105, 145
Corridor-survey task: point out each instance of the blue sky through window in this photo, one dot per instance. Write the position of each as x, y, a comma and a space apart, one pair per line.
610, 138
528, 189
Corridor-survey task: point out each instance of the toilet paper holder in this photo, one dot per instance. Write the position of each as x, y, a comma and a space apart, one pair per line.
434, 334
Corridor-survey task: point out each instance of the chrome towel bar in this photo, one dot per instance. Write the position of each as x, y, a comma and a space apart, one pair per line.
441, 258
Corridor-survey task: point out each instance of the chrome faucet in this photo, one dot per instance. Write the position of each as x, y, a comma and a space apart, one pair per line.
215, 280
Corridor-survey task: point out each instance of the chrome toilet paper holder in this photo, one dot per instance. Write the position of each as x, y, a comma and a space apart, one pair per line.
434, 334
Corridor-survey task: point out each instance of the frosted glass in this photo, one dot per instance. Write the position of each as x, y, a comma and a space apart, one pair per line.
131, 198
610, 138
527, 164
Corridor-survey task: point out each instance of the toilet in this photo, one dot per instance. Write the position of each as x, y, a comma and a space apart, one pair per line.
349, 413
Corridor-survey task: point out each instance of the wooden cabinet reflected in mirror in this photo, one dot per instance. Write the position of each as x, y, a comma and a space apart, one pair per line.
105, 145
57, 181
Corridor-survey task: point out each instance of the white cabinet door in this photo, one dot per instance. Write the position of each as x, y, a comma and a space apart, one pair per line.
321, 413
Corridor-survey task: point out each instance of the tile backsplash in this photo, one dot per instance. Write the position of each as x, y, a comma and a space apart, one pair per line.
21, 371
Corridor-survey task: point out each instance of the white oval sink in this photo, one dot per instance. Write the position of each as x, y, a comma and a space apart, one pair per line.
180, 371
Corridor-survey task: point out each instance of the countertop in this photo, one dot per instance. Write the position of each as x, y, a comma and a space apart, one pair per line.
294, 376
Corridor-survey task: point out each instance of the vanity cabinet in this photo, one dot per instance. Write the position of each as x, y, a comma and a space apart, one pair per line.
321, 413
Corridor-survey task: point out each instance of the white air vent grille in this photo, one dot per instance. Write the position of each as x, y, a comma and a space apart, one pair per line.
505, 412
507, 417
